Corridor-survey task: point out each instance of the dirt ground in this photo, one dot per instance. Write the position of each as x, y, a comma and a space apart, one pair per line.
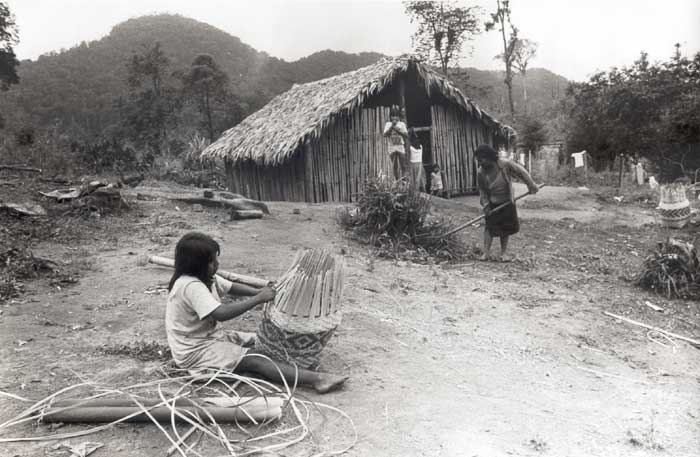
446, 359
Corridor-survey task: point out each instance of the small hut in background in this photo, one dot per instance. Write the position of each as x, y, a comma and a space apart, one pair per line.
322, 140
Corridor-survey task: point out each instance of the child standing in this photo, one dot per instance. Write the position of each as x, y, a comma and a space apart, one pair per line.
417, 181
436, 186
397, 133
194, 308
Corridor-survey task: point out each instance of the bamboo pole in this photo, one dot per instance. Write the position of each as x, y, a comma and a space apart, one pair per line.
345, 160
229, 275
656, 329
340, 166
361, 168
454, 161
81, 414
20, 168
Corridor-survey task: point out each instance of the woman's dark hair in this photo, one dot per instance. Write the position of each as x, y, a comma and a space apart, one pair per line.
486, 152
436, 167
193, 253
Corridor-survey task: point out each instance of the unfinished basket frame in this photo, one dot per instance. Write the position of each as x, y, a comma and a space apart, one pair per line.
306, 310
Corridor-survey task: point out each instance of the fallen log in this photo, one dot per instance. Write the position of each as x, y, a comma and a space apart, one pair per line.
217, 199
20, 168
240, 204
110, 410
231, 276
27, 209
239, 214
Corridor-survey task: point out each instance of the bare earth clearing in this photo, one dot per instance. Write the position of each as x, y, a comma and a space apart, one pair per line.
468, 359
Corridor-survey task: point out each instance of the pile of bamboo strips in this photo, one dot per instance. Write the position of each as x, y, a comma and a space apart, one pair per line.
311, 287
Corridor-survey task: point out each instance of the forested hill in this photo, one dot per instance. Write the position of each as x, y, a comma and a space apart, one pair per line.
79, 86
545, 91
80, 91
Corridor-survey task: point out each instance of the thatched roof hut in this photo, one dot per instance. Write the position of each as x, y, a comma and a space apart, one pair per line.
319, 141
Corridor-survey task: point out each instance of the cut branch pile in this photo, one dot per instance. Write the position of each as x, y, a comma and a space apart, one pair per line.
182, 405
395, 219
672, 269
97, 196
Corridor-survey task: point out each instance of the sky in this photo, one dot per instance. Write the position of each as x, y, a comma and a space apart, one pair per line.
576, 37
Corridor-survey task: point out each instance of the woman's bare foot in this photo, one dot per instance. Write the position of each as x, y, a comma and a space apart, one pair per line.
484, 257
505, 258
328, 383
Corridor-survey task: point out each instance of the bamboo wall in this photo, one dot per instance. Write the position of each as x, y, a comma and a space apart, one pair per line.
335, 166
349, 152
454, 137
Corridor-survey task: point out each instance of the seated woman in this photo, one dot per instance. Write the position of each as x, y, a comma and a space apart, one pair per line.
194, 308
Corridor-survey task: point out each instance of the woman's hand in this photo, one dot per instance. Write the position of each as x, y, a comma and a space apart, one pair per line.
266, 294
533, 190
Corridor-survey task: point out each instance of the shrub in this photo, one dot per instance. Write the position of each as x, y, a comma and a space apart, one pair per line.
396, 220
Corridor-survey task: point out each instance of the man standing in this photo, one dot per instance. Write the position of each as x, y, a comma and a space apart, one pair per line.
397, 133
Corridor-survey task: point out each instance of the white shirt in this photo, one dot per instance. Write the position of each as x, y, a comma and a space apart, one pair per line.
436, 181
416, 154
188, 324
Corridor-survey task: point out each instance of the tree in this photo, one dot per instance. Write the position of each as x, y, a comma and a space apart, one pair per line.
152, 105
509, 34
649, 110
208, 85
532, 133
524, 51
443, 28
8, 38
150, 66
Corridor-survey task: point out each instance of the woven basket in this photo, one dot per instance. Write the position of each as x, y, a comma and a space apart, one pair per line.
306, 311
674, 207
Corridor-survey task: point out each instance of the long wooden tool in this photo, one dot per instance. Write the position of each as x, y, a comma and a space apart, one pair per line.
229, 275
483, 216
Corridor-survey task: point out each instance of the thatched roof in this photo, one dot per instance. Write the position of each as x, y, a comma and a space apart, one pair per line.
271, 135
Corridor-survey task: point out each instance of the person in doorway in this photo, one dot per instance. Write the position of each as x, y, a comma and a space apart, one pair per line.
194, 309
417, 179
397, 133
437, 187
494, 179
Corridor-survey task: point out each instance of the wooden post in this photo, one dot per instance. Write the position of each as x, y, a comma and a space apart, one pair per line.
620, 178
529, 161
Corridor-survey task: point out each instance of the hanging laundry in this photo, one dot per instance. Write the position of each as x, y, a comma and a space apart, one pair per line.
578, 159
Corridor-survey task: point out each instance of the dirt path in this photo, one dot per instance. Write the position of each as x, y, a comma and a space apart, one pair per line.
445, 360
